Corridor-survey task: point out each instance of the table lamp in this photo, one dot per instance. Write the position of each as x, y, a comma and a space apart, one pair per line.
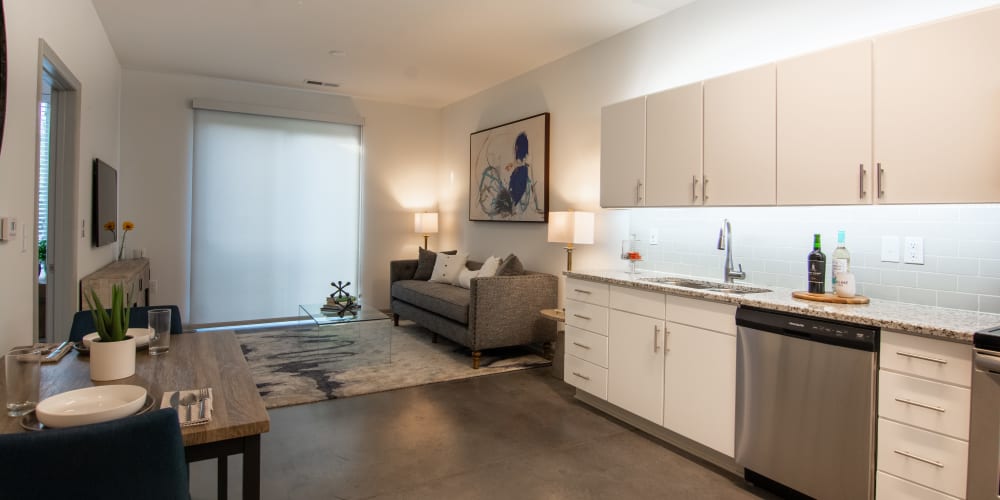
425, 223
571, 228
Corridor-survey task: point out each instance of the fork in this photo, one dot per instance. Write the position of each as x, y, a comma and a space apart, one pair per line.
203, 394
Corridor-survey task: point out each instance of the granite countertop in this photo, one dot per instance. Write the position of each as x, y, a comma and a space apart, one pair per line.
947, 324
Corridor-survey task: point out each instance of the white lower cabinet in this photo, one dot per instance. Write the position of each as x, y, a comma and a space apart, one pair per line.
699, 397
892, 487
635, 364
923, 418
926, 458
586, 376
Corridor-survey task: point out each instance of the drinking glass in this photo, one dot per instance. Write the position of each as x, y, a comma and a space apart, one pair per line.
23, 370
159, 325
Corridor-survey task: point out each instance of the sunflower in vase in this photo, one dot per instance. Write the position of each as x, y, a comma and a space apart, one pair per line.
126, 227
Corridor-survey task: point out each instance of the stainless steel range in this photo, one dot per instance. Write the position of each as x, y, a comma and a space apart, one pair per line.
984, 428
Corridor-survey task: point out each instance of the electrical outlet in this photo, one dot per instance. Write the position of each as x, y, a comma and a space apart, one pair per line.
890, 249
152, 286
654, 236
913, 250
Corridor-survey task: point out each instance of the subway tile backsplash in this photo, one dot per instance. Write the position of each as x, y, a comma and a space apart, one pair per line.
961, 267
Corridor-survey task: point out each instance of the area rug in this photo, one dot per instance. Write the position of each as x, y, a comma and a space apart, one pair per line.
300, 365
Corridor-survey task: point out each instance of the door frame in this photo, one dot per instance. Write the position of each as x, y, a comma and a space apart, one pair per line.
64, 154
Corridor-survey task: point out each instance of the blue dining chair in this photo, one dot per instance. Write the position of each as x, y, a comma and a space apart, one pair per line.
83, 321
141, 456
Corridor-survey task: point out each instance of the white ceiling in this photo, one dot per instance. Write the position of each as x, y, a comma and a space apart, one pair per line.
422, 52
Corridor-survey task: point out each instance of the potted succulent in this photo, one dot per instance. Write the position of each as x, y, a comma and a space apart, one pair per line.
112, 356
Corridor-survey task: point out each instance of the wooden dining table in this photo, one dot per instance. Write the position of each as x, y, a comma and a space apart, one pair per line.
195, 361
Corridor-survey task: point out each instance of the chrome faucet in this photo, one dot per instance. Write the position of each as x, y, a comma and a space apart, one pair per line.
726, 243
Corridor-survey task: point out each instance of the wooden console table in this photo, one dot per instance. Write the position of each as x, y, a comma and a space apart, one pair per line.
132, 274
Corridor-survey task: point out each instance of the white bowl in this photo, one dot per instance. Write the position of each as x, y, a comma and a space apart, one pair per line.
90, 405
141, 336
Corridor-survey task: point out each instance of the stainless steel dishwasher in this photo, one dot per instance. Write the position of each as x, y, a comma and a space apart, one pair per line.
805, 403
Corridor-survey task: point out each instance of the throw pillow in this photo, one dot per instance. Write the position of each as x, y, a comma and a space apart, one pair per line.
447, 267
511, 266
489, 267
465, 277
425, 263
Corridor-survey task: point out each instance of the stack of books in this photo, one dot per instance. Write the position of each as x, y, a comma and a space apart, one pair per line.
340, 305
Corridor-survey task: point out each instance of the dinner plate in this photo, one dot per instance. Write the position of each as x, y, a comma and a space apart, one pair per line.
30, 421
90, 405
141, 336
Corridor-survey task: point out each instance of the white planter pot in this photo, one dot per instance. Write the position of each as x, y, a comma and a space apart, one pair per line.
112, 360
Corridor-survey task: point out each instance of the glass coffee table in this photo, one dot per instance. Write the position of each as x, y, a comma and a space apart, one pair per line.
363, 337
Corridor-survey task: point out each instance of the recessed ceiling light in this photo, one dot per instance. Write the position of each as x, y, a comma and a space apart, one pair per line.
338, 52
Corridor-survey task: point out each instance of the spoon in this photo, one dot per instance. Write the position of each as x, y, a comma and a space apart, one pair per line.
187, 401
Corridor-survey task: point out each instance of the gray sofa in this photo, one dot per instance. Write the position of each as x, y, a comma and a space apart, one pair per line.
498, 311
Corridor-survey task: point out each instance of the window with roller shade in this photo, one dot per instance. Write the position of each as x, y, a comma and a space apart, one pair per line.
275, 214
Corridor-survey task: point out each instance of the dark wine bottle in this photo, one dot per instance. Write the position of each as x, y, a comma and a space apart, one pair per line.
817, 268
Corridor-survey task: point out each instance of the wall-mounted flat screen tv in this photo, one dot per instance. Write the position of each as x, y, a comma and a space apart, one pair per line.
105, 203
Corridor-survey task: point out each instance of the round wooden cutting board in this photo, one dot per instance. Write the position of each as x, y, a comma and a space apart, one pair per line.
829, 297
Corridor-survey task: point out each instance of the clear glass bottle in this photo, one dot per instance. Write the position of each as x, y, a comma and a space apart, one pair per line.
841, 258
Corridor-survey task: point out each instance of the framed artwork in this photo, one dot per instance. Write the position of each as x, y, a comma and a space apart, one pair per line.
509, 172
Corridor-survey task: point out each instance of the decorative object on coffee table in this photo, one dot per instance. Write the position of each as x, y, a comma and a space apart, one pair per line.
340, 301
509, 171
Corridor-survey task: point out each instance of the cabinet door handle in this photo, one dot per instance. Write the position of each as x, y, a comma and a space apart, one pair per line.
704, 190
581, 376
922, 357
918, 458
666, 338
588, 292
920, 405
588, 347
638, 191
582, 317
861, 181
656, 338
880, 172
694, 189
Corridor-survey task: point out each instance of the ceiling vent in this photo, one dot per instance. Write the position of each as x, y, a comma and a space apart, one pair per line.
317, 83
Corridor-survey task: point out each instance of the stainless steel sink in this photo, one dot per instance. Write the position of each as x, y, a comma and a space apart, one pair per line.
708, 286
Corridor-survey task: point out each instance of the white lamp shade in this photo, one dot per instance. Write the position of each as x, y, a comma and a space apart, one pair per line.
425, 223
571, 227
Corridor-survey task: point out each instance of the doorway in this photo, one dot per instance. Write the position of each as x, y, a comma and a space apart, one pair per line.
55, 196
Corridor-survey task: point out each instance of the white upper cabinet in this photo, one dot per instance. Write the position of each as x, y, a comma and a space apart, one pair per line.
937, 112
623, 153
825, 127
673, 147
739, 114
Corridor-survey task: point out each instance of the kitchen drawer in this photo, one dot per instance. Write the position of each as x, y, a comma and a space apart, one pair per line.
586, 376
933, 460
939, 360
587, 346
893, 488
702, 314
642, 302
587, 291
587, 316
924, 403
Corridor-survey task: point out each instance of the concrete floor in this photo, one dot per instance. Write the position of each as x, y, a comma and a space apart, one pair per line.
516, 435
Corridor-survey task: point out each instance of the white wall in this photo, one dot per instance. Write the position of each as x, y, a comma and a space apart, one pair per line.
73, 30
401, 146
704, 39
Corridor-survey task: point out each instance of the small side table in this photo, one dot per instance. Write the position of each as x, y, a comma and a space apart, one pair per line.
559, 315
